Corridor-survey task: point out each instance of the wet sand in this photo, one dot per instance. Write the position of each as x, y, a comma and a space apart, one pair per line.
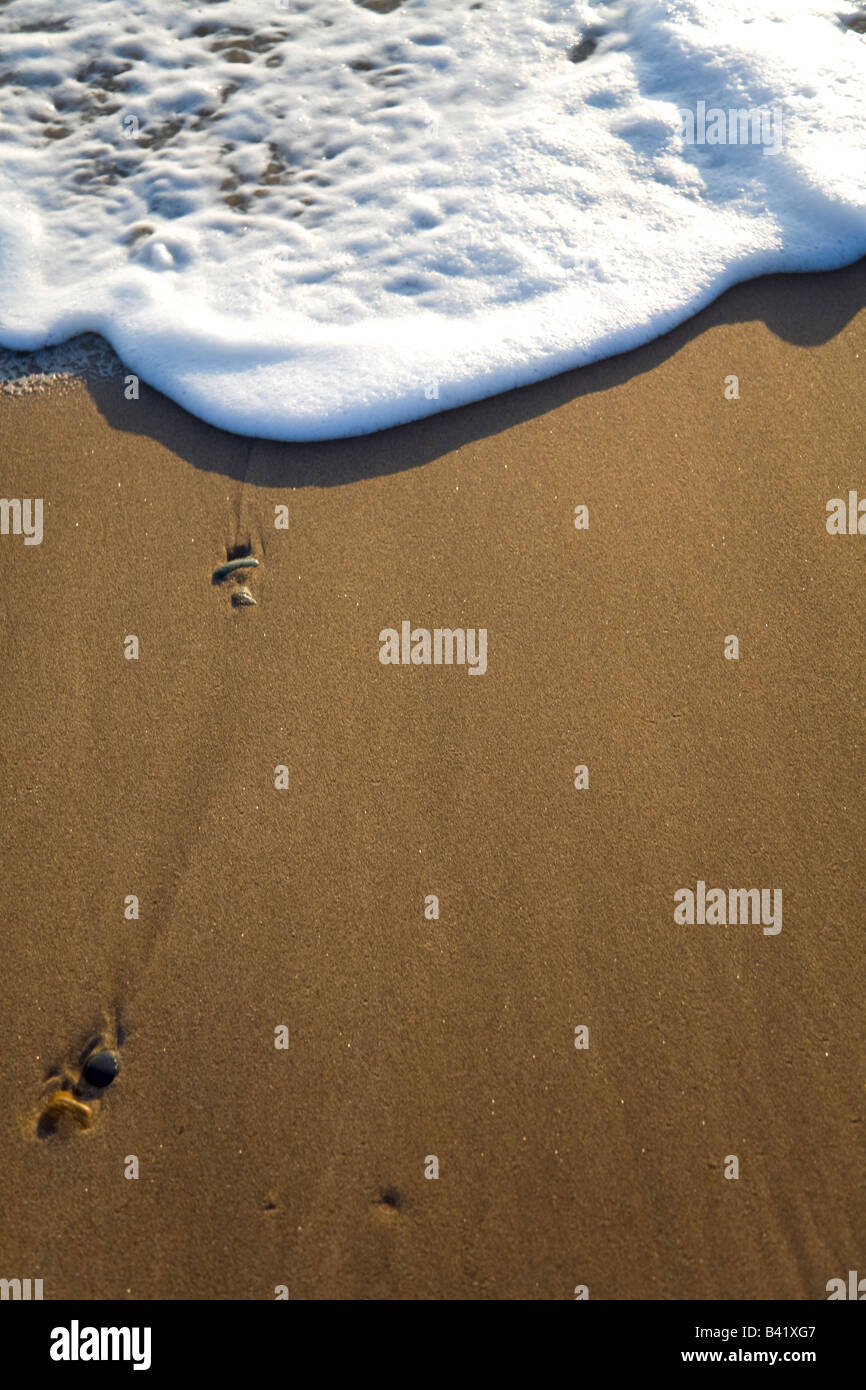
455, 1038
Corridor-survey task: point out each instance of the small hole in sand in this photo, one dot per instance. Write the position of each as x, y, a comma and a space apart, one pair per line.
239, 551
583, 50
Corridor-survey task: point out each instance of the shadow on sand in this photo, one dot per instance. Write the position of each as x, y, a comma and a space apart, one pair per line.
804, 310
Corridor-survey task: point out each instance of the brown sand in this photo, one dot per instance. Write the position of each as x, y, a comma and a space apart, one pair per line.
305, 907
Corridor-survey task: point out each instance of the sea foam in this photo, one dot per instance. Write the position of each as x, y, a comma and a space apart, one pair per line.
303, 220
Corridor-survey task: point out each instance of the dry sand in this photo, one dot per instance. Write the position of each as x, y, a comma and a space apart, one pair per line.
455, 1038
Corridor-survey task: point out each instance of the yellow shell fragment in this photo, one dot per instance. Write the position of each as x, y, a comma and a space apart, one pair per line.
62, 1103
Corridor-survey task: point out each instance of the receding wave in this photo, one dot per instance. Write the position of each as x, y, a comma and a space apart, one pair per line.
303, 220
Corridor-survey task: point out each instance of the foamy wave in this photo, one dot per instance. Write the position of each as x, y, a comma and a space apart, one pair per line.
309, 219
86, 358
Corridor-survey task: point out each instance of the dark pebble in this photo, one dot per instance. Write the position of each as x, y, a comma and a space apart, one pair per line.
101, 1068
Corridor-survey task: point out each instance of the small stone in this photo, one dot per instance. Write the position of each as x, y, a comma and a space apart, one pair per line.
101, 1068
242, 597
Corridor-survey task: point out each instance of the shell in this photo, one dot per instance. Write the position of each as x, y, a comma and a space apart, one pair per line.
62, 1103
242, 598
243, 562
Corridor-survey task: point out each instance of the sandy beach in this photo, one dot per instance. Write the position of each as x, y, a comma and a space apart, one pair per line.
414, 1037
